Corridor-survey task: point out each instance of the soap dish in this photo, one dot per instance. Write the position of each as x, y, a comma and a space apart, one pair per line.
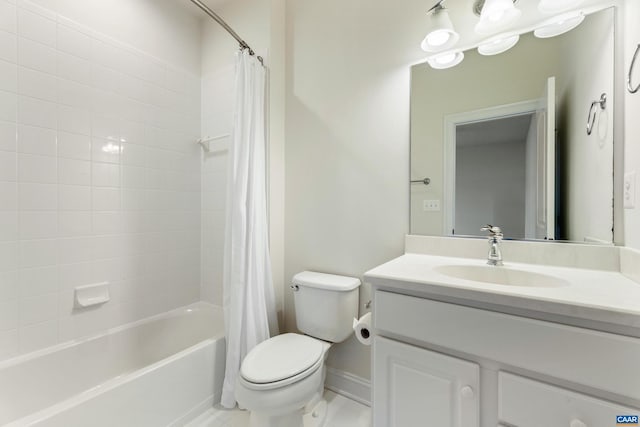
91, 295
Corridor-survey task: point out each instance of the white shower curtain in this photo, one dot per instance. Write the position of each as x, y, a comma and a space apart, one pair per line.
249, 305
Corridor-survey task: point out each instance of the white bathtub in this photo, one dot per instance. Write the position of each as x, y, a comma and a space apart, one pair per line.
160, 371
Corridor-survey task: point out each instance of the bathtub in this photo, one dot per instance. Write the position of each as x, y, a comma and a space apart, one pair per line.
160, 371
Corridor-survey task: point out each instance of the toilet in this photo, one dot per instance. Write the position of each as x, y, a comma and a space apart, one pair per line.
281, 380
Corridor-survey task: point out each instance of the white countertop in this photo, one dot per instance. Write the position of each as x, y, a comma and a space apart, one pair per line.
599, 299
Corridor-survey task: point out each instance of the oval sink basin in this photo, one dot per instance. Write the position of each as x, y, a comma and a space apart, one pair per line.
501, 276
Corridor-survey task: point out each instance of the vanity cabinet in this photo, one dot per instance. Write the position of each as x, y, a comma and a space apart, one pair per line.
414, 384
443, 364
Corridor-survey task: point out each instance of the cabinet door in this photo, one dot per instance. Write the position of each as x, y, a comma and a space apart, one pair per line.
416, 387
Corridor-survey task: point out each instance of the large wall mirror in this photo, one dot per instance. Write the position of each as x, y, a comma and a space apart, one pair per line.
503, 139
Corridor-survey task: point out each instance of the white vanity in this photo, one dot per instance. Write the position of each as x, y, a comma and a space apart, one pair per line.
553, 342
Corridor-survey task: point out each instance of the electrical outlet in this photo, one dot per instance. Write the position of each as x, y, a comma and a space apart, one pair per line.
431, 205
630, 190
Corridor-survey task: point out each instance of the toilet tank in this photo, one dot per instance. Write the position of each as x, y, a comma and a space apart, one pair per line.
325, 304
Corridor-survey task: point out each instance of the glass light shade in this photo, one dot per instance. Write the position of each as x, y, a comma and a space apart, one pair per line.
555, 6
498, 44
445, 60
559, 25
440, 32
496, 15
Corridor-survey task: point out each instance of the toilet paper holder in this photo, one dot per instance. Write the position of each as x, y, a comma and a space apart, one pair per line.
367, 305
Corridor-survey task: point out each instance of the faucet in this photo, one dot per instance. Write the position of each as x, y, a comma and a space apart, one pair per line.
495, 237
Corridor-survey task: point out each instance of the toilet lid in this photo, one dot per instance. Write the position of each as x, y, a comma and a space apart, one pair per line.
281, 357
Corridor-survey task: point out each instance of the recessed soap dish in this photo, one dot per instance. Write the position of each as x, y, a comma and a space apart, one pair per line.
91, 295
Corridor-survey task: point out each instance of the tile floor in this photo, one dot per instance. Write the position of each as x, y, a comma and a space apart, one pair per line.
343, 412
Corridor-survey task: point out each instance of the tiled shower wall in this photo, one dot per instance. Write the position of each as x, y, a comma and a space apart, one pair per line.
99, 180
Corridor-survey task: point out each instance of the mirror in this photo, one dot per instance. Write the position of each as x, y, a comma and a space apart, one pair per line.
503, 139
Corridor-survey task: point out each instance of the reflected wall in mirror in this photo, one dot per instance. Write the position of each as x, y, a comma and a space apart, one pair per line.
504, 139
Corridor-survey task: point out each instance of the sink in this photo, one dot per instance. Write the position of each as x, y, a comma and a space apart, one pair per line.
501, 276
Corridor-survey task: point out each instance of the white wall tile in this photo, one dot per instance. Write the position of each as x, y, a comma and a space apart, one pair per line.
8, 136
8, 106
8, 225
37, 336
8, 76
74, 172
74, 224
36, 27
74, 42
74, 198
37, 196
75, 69
8, 17
8, 316
105, 150
37, 253
105, 199
36, 56
36, 112
40, 169
37, 84
74, 120
8, 285
74, 146
36, 140
38, 309
8, 196
107, 223
37, 281
8, 166
134, 177
75, 94
38, 224
8, 47
134, 155
105, 175
82, 197
8, 256
74, 250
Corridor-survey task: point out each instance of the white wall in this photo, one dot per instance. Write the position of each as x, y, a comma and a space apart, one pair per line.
631, 35
586, 161
347, 142
99, 175
258, 22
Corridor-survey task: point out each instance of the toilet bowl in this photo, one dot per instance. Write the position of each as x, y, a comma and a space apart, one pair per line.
281, 380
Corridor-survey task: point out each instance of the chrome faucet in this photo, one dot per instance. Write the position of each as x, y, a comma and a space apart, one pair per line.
495, 237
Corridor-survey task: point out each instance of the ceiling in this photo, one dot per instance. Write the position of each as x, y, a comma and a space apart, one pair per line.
512, 129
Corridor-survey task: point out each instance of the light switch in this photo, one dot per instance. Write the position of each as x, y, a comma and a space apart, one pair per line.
431, 205
629, 190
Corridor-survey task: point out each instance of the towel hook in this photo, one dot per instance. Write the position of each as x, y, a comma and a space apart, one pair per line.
591, 118
633, 63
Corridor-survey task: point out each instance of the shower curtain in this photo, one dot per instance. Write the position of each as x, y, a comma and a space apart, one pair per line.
249, 305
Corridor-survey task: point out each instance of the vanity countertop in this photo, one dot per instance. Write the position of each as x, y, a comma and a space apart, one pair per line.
598, 299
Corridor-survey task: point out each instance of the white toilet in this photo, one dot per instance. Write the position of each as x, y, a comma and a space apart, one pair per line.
281, 380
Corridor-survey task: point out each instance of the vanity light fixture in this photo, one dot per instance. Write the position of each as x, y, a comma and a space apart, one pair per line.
555, 6
441, 34
559, 25
498, 44
496, 15
445, 60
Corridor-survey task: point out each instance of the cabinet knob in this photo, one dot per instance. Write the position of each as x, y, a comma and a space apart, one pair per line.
467, 392
577, 423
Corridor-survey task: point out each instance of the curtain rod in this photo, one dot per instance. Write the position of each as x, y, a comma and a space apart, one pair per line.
223, 24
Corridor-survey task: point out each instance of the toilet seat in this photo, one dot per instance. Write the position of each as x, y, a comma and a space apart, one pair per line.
282, 360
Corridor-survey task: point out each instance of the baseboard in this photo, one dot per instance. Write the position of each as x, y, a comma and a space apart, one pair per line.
349, 385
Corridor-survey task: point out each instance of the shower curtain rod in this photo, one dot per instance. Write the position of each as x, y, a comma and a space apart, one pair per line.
219, 20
